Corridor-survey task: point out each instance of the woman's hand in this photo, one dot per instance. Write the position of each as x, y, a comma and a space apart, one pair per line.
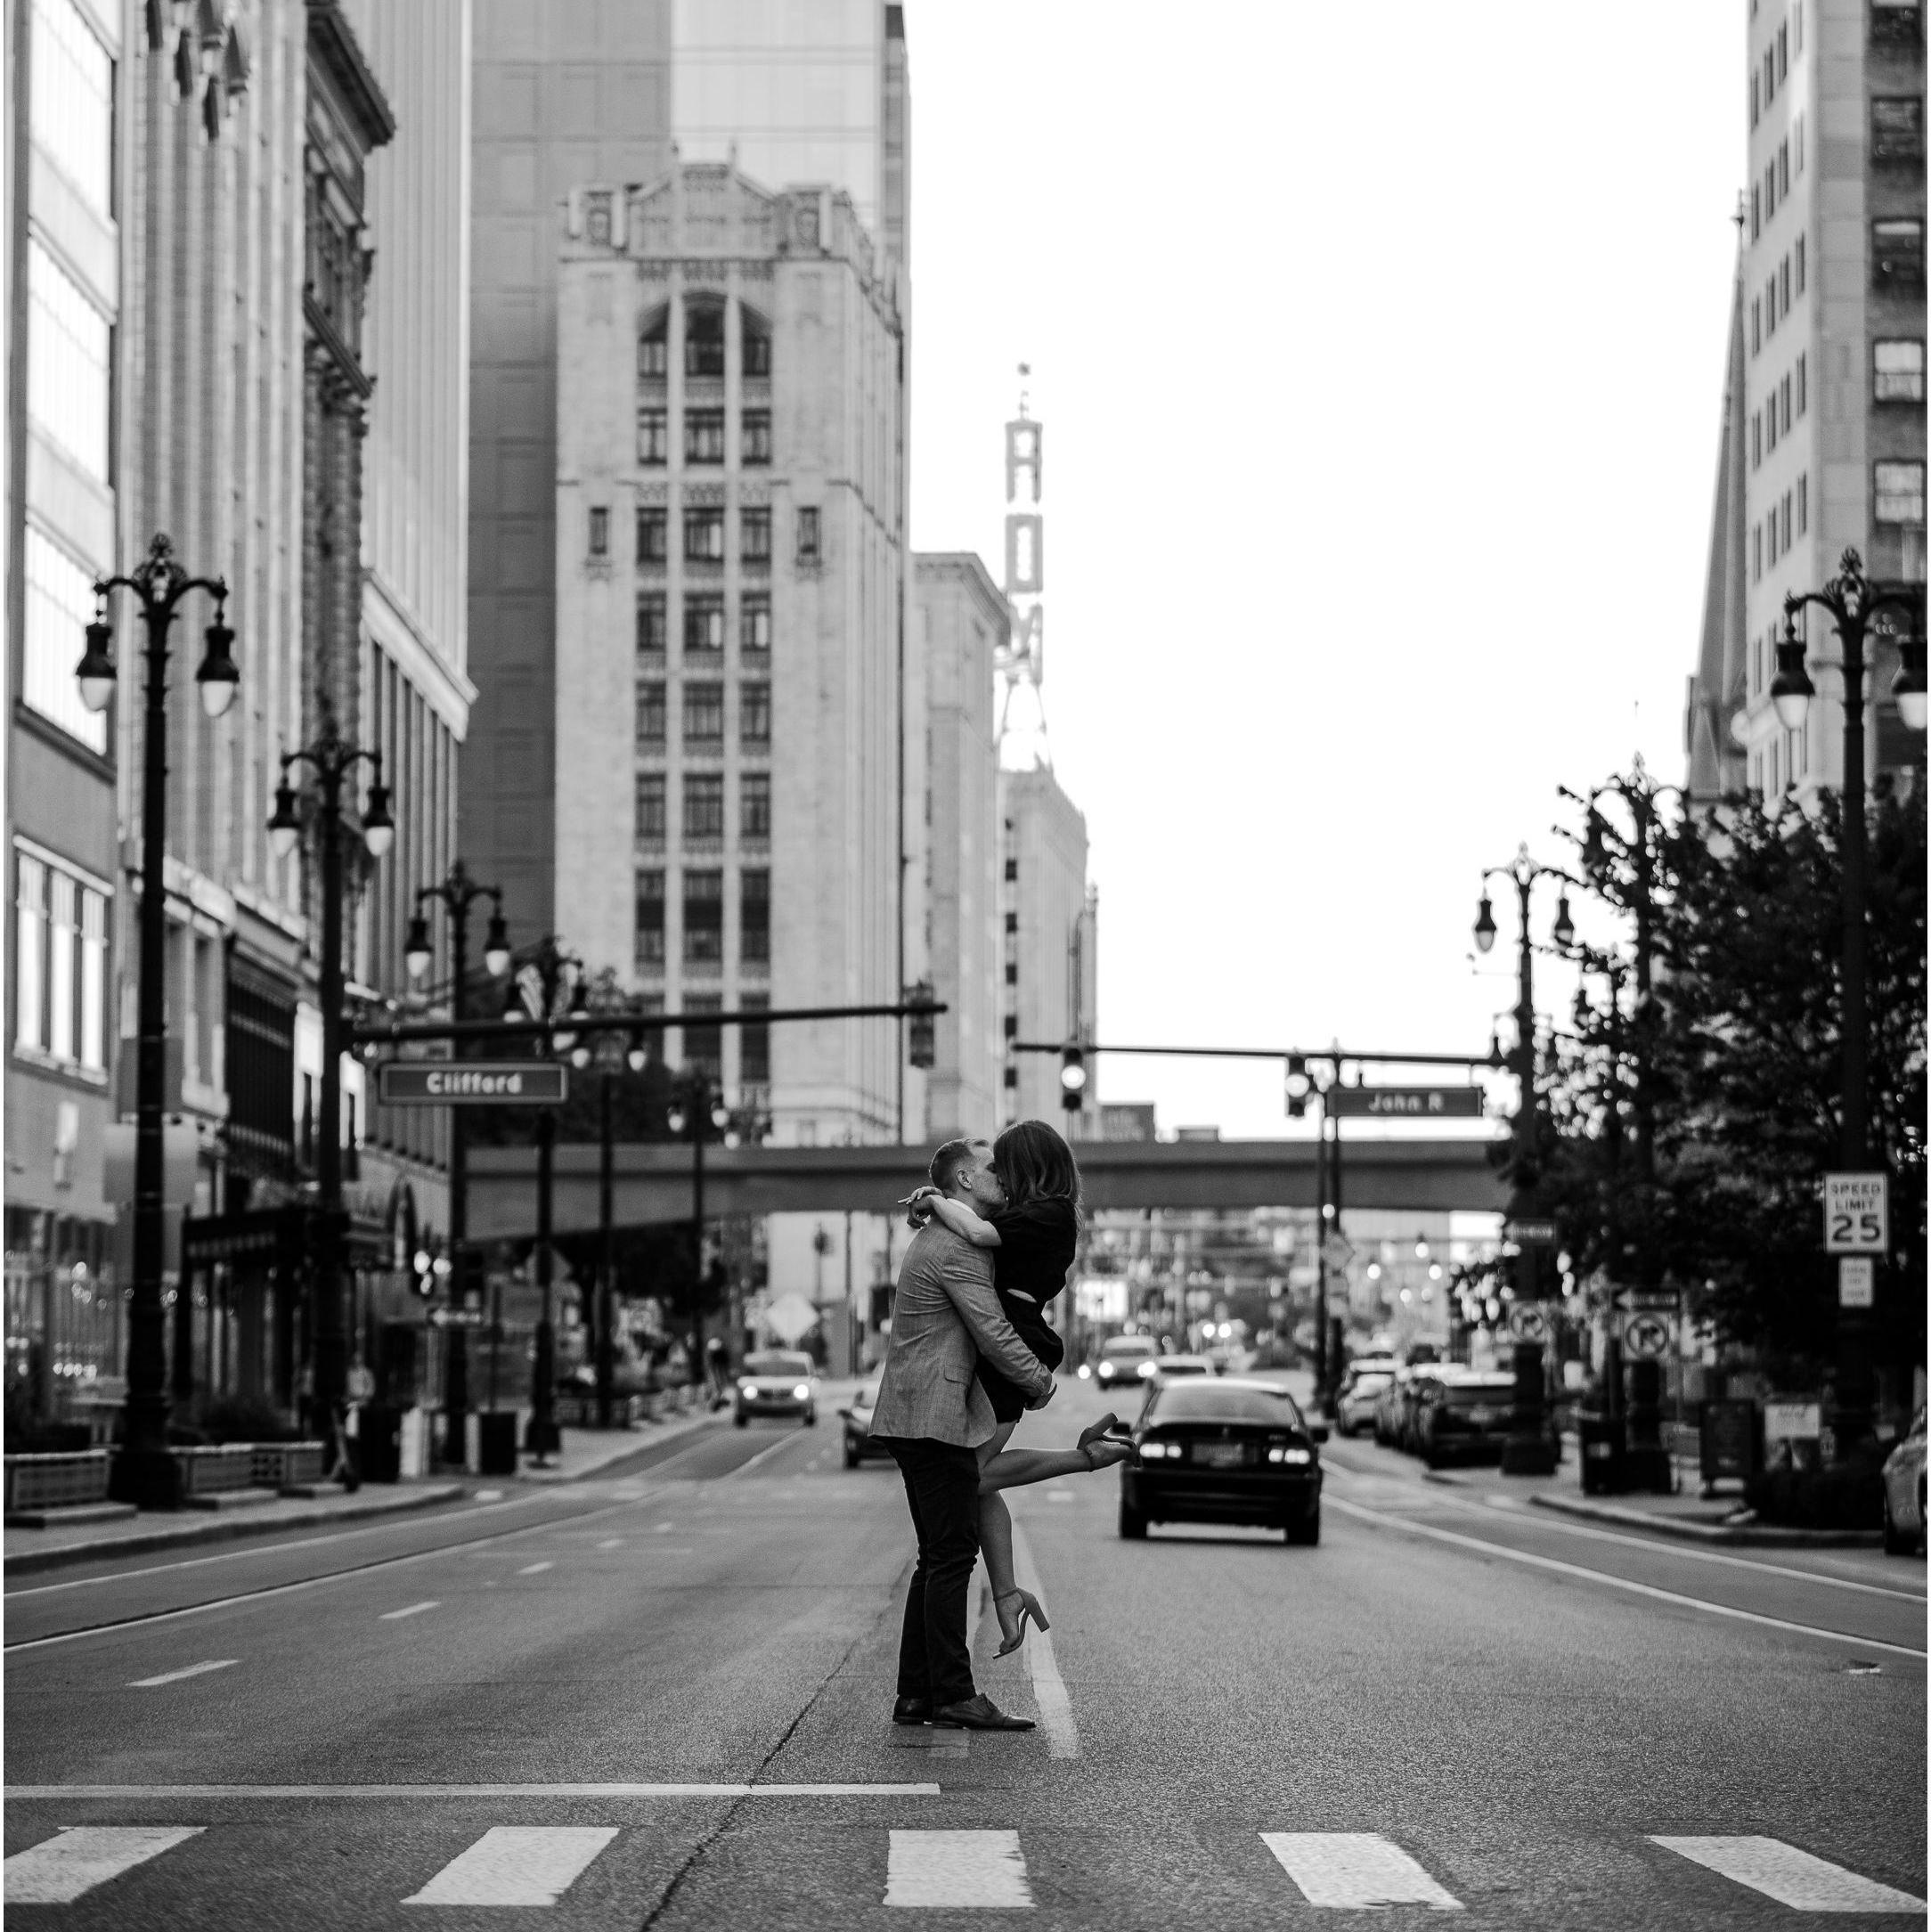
917, 1206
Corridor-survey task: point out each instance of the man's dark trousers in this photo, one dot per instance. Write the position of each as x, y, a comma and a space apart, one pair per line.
941, 1485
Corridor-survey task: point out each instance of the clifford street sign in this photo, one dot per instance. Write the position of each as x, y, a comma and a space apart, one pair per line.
474, 1083
1404, 1103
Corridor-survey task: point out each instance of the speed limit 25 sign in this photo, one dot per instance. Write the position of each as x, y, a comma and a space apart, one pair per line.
1857, 1213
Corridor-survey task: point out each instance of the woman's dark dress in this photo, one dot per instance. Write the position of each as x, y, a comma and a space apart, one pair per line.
1036, 1244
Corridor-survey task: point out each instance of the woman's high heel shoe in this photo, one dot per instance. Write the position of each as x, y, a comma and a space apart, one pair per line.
1107, 1426
1028, 1606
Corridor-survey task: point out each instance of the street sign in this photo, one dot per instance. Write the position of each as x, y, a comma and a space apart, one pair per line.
1530, 1234
474, 1083
457, 1318
1857, 1282
1528, 1321
1337, 1250
1857, 1213
1646, 1335
1404, 1103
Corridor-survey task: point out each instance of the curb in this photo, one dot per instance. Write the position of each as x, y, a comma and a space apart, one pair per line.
1763, 1537
27, 1562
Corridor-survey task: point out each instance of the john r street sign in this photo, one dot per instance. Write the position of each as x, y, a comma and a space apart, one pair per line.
1406, 1102
474, 1083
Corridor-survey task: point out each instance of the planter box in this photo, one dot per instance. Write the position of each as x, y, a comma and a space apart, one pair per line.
58, 1481
216, 1469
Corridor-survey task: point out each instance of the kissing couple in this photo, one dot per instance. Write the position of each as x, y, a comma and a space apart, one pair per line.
970, 1352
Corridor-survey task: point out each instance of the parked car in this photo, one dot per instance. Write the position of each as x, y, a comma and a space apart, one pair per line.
1904, 1492
1458, 1418
1354, 1399
1224, 1449
858, 1428
778, 1381
1126, 1360
1170, 1368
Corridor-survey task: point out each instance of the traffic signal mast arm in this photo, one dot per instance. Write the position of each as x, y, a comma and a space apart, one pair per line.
1330, 1055
398, 1031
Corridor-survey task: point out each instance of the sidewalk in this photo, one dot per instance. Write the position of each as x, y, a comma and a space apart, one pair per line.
584, 1452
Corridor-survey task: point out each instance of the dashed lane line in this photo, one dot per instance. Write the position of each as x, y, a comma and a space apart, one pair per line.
535, 1570
1610, 1580
175, 1676
1048, 1687
751, 1462
412, 1610
157, 1793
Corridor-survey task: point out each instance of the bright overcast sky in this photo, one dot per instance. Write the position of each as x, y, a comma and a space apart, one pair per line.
1380, 351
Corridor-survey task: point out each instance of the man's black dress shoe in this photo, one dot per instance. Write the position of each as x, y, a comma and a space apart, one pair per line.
912, 1710
978, 1712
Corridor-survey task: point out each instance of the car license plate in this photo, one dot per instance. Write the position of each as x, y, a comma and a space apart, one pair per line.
1220, 1454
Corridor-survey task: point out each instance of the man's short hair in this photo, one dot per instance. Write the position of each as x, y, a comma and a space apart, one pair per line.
945, 1164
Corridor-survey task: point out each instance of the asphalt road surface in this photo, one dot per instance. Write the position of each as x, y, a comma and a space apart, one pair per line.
659, 1698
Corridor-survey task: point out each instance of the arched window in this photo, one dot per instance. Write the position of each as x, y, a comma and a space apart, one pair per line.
703, 341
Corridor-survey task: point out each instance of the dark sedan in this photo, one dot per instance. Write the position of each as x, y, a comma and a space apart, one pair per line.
1459, 1420
1231, 1450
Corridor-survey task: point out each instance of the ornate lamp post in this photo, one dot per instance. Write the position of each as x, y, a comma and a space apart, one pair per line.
143, 1471
457, 893
331, 763
1527, 1451
1853, 604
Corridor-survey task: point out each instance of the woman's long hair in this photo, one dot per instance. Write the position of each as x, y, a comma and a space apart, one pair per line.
1034, 1163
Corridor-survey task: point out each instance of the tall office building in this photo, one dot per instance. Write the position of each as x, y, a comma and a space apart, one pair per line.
730, 578
1832, 315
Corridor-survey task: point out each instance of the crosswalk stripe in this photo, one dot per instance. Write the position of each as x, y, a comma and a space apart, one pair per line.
58, 1870
516, 1865
1789, 1876
956, 1867
1355, 1869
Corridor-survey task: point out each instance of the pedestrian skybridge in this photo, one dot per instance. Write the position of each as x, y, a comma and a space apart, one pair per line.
652, 1181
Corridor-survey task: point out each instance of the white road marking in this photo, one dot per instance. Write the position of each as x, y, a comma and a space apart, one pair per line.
1792, 1878
751, 1462
664, 1530
194, 1670
1048, 1687
59, 1869
956, 1867
413, 1609
1612, 1582
535, 1570
516, 1865
610, 1543
156, 1793
1360, 1869
488, 1496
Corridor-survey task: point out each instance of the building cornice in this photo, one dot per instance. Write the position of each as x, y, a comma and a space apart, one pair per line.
332, 42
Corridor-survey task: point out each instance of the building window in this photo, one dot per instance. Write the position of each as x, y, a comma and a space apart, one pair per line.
1771, 522
1783, 169
1756, 324
704, 535
754, 625
30, 958
704, 624
1897, 256
1796, 134
1756, 554
1756, 211
1897, 128
1898, 489
1783, 404
704, 1046
1756, 105
1897, 371
704, 435
653, 623
808, 552
757, 351
1011, 1026
1800, 251
650, 919
754, 804
650, 825
653, 537
59, 965
704, 715
753, 1042
756, 447
1783, 534
653, 436
67, 361
1756, 439
754, 716
1783, 286
653, 352
1896, 23
703, 341
60, 606
703, 918
73, 100
755, 916
1770, 427
600, 532
650, 710
1803, 504
755, 535
1802, 383
704, 805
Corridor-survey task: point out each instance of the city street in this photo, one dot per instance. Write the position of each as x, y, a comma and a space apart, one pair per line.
659, 1696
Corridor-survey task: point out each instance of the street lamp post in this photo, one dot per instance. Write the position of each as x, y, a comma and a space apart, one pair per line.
1527, 1451
697, 1108
1852, 602
144, 1472
457, 893
331, 761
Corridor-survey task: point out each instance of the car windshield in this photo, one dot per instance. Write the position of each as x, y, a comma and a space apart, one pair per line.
1226, 1402
1127, 1345
1181, 1365
1483, 1394
778, 1362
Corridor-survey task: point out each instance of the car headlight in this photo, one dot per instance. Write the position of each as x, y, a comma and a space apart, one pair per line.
748, 1389
1290, 1455
1106, 1371
1085, 1370
1147, 1371
802, 1391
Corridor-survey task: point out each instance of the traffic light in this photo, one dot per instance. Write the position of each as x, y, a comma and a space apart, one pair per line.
422, 1273
1299, 1086
921, 1037
1072, 1078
